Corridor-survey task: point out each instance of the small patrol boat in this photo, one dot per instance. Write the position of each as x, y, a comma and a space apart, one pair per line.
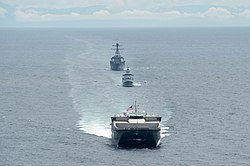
127, 78
136, 129
117, 62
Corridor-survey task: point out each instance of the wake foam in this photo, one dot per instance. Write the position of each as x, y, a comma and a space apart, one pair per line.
137, 84
91, 91
94, 128
164, 131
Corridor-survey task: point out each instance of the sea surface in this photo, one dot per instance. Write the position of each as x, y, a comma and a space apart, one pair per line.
57, 94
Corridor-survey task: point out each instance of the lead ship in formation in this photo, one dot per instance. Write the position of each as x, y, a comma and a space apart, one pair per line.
135, 129
117, 62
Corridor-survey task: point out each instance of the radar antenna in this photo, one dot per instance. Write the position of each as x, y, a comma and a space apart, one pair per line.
117, 48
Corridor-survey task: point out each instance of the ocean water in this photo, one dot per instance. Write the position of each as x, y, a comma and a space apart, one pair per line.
57, 95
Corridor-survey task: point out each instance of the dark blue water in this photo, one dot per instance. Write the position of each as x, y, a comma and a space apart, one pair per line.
57, 95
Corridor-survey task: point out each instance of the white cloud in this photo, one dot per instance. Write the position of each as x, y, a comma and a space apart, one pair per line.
101, 13
162, 11
220, 13
122, 5
137, 14
56, 4
215, 13
245, 13
173, 14
132, 9
33, 16
2, 11
36, 17
75, 14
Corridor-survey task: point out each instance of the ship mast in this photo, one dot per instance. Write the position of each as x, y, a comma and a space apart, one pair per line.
117, 49
136, 108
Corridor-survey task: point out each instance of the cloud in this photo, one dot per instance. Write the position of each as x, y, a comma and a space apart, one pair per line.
131, 9
123, 12
220, 13
36, 17
33, 15
2, 12
122, 5
101, 13
173, 14
245, 13
74, 14
28, 16
49, 4
134, 14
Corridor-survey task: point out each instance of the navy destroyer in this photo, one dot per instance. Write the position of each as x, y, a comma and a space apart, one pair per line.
136, 129
127, 78
117, 62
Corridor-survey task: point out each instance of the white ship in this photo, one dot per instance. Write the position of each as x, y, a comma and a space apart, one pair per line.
127, 78
136, 129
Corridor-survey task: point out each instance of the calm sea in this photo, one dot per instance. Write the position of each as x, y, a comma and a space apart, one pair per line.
57, 95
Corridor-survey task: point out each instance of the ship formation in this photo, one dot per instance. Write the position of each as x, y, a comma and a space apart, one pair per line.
133, 128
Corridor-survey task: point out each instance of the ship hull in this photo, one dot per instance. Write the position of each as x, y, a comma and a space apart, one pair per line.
127, 84
136, 138
117, 66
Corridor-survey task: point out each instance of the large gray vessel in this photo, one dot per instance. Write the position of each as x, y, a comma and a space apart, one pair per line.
135, 129
117, 62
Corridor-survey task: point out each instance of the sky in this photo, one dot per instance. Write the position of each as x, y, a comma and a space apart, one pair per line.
124, 13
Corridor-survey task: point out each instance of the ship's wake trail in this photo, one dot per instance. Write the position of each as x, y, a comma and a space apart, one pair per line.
92, 89
138, 84
95, 127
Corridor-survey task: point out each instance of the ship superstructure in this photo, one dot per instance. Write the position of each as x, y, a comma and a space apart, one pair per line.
117, 62
127, 78
136, 129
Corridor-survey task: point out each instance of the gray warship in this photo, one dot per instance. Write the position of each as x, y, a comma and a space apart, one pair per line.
127, 78
117, 62
136, 129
